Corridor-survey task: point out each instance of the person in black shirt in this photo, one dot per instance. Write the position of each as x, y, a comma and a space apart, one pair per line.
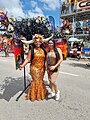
63, 8
72, 5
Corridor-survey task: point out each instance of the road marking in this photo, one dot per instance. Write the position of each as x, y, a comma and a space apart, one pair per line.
3, 60
68, 73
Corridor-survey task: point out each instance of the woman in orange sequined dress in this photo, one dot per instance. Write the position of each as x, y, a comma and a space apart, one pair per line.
37, 90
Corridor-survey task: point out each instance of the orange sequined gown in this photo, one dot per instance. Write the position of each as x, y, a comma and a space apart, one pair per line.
37, 90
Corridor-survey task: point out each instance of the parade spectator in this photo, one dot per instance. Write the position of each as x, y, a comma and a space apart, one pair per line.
72, 6
1, 42
82, 45
68, 47
6, 46
63, 8
88, 24
75, 5
67, 6
79, 49
84, 26
63, 26
6, 49
74, 45
66, 23
54, 59
78, 27
70, 28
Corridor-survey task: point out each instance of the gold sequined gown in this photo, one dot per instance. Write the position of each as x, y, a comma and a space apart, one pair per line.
37, 90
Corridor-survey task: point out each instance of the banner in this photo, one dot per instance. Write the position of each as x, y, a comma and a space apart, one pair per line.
18, 53
52, 21
84, 4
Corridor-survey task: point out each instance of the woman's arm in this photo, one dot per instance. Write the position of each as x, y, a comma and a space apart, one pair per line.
61, 57
46, 63
28, 58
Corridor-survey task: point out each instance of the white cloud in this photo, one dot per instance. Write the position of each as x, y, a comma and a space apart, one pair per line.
32, 14
12, 7
52, 4
33, 4
36, 11
15, 7
45, 6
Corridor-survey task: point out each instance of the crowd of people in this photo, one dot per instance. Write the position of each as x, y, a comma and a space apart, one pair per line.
69, 7
80, 27
83, 28
6, 44
76, 47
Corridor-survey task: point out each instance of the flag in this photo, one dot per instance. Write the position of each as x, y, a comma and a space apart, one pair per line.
52, 21
18, 53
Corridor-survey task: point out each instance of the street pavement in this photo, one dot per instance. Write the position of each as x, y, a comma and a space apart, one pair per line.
74, 85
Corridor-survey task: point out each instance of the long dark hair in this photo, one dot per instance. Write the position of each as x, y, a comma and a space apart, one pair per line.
31, 47
55, 50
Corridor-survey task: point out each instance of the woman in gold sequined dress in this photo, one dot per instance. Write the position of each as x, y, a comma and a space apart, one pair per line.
37, 90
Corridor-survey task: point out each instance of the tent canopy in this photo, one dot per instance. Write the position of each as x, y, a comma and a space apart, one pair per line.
74, 39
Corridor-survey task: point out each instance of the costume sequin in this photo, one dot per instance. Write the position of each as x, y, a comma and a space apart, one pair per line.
37, 90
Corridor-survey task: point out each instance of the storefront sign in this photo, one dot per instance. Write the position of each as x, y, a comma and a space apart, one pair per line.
83, 5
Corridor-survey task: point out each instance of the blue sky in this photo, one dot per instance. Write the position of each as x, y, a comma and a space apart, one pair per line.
32, 8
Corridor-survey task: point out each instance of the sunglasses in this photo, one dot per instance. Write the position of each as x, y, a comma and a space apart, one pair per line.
38, 41
50, 43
